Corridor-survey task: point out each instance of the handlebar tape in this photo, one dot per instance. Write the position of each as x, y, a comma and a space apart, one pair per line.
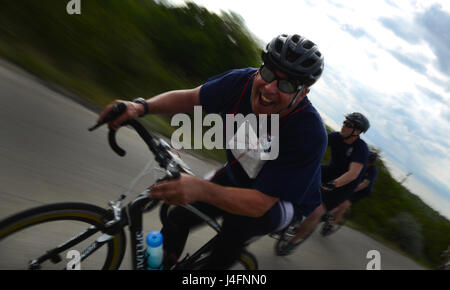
142, 132
116, 111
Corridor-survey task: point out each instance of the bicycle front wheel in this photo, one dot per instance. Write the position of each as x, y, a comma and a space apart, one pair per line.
327, 227
282, 246
59, 235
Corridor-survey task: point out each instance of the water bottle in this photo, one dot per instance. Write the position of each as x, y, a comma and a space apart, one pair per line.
154, 252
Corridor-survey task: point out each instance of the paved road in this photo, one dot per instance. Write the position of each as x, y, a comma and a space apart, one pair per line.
47, 155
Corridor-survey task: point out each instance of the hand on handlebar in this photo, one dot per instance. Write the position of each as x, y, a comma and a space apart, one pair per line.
131, 111
329, 186
180, 191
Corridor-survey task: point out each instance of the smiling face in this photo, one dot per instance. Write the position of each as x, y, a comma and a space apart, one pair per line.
267, 98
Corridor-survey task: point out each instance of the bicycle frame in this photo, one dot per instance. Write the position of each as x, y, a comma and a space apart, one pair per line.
53, 254
135, 211
136, 208
132, 216
110, 223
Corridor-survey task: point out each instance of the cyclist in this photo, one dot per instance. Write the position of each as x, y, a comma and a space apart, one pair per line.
252, 204
363, 190
446, 262
349, 154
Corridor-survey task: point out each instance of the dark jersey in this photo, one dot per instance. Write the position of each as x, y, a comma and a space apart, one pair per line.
295, 174
343, 154
370, 174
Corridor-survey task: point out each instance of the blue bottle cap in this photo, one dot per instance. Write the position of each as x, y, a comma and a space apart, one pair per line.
154, 239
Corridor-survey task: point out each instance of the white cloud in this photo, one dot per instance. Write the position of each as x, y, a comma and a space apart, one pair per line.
429, 196
381, 58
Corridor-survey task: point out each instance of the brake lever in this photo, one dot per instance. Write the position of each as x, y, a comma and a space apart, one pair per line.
170, 175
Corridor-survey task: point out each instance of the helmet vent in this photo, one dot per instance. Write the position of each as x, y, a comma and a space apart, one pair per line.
307, 63
278, 45
295, 38
308, 44
318, 53
292, 56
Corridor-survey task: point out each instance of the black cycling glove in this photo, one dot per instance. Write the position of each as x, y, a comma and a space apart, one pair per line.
329, 186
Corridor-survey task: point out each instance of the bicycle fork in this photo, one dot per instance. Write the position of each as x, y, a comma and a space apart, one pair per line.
54, 254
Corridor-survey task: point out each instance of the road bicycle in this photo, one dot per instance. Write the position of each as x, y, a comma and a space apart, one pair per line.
283, 237
94, 236
282, 247
329, 227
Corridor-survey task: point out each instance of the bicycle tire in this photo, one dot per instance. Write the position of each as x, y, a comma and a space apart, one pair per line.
286, 235
336, 227
74, 214
282, 243
248, 260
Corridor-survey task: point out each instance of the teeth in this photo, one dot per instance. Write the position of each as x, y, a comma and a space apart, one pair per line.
265, 99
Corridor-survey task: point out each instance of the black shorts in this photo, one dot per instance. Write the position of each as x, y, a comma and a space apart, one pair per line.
332, 199
357, 196
237, 230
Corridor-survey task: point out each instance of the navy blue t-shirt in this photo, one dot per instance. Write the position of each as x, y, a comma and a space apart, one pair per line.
295, 174
343, 154
370, 174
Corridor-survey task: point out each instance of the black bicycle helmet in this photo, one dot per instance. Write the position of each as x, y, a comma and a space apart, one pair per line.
295, 56
359, 121
372, 156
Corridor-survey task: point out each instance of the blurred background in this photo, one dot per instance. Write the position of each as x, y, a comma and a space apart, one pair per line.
138, 48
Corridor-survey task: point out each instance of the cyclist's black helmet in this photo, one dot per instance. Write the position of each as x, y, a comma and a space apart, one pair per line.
372, 156
359, 121
295, 56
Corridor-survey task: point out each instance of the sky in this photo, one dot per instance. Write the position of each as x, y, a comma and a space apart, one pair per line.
389, 60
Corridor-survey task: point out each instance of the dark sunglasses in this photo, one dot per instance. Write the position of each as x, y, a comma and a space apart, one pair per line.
349, 125
285, 85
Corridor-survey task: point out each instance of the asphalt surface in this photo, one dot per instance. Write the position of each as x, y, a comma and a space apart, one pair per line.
47, 155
